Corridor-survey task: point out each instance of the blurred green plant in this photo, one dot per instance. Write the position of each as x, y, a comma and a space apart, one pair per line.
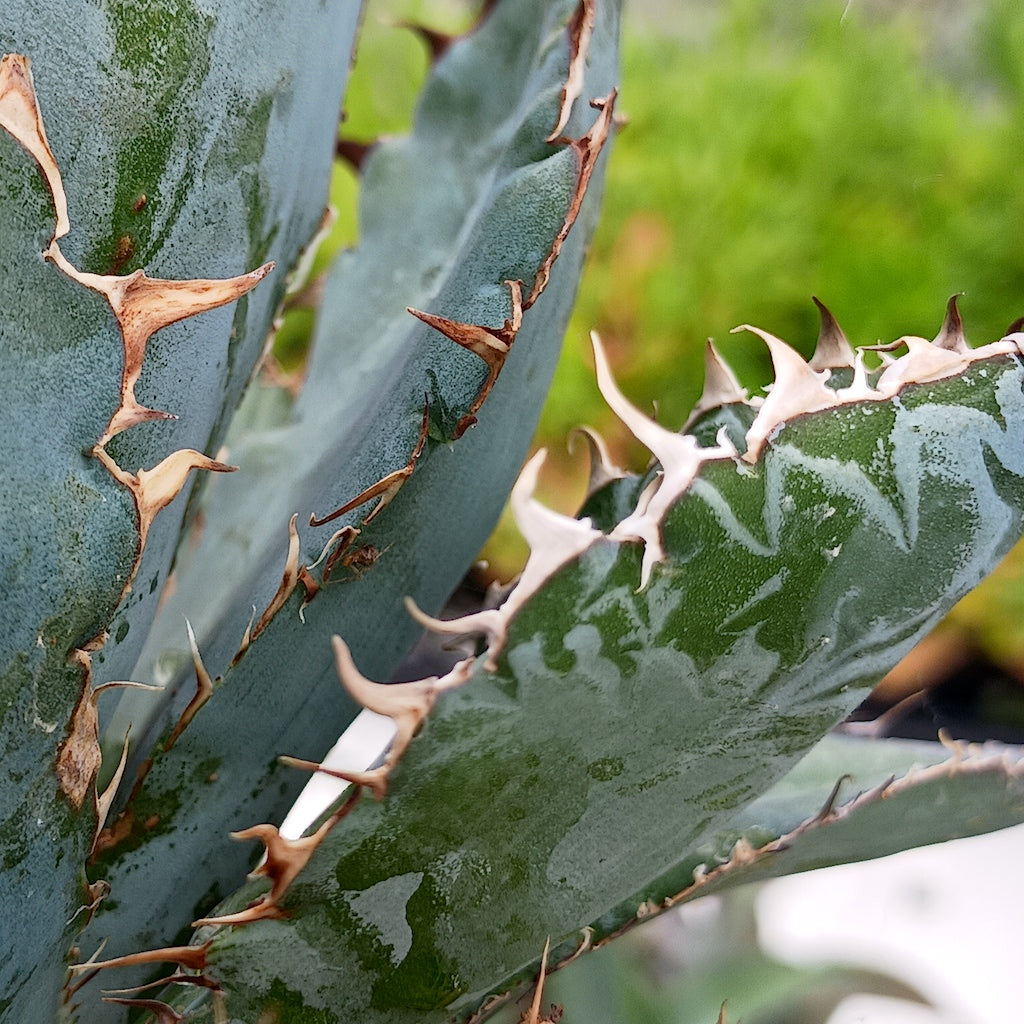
677, 974
790, 144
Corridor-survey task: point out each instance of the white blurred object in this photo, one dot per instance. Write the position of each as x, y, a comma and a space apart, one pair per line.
360, 747
881, 1010
943, 918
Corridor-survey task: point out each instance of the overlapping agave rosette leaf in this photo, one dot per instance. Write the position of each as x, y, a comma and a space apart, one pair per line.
482, 217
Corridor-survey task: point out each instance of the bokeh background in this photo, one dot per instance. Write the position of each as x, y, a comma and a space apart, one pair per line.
865, 151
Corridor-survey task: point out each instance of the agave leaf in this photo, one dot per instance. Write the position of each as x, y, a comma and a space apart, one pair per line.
850, 799
623, 723
474, 199
191, 163
687, 970
156, 140
56, 597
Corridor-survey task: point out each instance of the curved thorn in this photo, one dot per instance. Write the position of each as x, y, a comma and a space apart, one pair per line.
204, 689
679, 454
285, 859
289, 579
720, 386
386, 488
602, 469
106, 798
192, 958
797, 390
581, 28
924, 361
160, 1011
951, 333
832, 350
554, 539
406, 704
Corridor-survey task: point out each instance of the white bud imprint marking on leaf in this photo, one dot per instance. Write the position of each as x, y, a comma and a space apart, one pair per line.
384, 908
798, 389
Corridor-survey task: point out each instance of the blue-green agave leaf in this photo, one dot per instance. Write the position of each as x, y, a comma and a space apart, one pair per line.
464, 220
167, 144
850, 799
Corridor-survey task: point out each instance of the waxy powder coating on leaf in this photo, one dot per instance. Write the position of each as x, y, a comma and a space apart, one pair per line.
142, 306
163, 171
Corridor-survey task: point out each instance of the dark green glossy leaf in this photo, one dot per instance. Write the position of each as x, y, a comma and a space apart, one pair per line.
624, 726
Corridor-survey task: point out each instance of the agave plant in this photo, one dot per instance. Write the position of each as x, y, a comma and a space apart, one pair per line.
619, 741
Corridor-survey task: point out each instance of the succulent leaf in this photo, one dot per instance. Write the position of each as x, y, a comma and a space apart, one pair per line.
849, 799
122, 149
635, 722
474, 199
622, 725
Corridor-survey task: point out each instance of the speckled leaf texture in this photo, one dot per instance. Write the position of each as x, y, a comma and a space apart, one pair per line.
636, 698
188, 145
